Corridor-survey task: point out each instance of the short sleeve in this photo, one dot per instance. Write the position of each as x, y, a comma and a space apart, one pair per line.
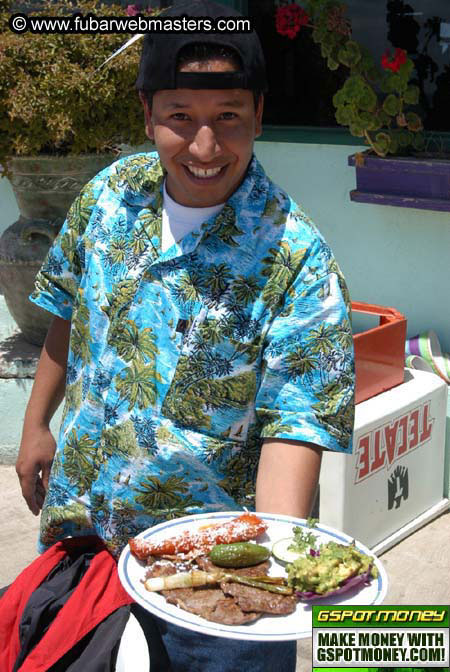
307, 386
58, 280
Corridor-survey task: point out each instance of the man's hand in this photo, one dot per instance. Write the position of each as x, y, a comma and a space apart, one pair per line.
37, 447
33, 465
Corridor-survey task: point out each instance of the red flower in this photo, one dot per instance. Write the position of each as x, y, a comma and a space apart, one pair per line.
289, 19
394, 63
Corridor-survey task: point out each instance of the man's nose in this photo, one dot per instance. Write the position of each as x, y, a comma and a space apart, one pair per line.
205, 145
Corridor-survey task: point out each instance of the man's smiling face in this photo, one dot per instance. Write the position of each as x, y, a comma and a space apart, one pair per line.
204, 137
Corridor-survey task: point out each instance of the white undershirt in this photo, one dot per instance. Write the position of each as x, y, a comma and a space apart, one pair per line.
179, 220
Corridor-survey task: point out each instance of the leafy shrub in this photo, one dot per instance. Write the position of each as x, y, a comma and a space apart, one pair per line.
52, 99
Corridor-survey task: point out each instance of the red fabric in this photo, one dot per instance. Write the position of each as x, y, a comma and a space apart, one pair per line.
98, 594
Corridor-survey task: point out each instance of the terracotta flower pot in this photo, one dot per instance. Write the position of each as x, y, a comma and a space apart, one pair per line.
45, 187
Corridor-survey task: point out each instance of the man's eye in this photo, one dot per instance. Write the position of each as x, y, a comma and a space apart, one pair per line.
180, 116
228, 115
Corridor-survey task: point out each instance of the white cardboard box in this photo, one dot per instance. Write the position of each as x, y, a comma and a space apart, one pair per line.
394, 481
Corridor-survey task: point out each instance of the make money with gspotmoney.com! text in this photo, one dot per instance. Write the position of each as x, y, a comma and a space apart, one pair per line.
77, 23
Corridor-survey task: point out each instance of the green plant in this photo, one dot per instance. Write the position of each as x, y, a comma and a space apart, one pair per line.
374, 101
53, 100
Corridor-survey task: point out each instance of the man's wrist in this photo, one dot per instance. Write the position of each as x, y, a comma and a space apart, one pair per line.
36, 421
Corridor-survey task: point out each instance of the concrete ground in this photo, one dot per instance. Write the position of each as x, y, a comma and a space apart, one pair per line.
418, 567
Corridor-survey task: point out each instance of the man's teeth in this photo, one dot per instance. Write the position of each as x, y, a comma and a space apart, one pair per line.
204, 172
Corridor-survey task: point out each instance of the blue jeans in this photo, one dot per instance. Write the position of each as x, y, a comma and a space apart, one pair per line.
174, 649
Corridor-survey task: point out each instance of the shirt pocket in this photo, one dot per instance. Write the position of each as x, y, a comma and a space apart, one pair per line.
215, 382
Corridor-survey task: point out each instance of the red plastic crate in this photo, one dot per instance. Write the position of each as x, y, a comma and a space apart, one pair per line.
379, 352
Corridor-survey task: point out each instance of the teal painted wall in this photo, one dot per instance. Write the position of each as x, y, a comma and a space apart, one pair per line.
392, 256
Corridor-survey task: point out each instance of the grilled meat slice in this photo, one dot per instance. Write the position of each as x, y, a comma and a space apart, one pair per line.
165, 568
228, 612
255, 599
194, 600
229, 603
210, 603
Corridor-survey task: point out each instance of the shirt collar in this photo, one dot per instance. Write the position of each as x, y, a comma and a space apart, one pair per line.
143, 184
143, 188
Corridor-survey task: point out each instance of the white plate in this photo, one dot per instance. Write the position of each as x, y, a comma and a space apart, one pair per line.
267, 628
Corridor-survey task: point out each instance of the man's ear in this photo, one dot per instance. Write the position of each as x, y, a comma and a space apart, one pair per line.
259, 115
147, 116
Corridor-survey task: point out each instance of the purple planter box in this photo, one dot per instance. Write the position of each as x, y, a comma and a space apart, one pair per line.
402, 181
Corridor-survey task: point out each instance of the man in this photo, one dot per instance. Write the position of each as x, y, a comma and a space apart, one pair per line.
201, 336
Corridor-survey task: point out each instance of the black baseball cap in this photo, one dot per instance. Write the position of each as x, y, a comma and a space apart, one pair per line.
159, 57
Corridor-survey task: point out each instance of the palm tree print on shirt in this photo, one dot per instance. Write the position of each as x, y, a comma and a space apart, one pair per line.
190, 358
164, 496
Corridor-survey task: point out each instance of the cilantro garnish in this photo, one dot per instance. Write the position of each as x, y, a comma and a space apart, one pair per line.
303, 540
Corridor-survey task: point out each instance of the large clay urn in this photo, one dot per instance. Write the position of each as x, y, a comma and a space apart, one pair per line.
44, 187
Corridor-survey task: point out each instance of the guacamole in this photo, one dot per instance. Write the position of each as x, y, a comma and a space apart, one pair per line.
324, 572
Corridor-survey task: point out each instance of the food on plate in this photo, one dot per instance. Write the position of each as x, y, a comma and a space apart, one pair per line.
304, 539
303, 542
239, 554
235, 599
242, 528
215, 571
191, 579
252, 598
283, 553
332, 570
196, 578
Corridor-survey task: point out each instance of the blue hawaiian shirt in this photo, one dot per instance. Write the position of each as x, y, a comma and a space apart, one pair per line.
182, 362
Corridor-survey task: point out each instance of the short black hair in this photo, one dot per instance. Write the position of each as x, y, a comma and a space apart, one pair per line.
204, 51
